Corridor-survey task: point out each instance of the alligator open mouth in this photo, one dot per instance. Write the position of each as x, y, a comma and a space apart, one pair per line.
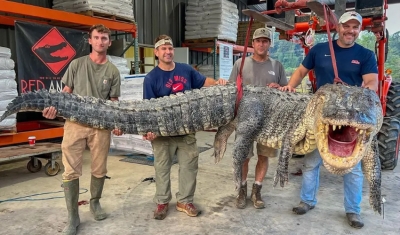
342, 146
342, 140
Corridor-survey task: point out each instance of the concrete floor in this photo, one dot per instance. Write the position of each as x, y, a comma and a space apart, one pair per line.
128, 201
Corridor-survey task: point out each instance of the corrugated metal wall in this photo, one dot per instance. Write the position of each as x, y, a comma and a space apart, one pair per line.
155, 17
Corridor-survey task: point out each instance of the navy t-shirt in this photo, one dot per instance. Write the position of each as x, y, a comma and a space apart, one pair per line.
159, 83
352, 63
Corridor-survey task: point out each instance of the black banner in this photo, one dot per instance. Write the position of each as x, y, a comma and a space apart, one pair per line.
44, 53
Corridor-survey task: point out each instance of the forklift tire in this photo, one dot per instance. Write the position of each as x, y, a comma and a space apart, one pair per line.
31, 167
50, 171
388, 143
393, 101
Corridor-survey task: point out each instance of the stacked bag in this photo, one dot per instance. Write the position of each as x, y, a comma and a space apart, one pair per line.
211, 19
119, 8
208, 71
8, 88
131, 89
121, 64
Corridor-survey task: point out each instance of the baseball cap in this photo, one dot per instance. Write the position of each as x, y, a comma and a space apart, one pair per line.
351, 15
262, 33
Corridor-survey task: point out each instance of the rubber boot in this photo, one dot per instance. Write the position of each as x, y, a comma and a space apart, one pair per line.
256, 196
96, 188
71, 191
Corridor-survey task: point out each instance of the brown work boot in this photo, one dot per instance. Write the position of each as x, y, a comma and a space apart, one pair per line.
241, 197
161, 211
188, 208
256, 197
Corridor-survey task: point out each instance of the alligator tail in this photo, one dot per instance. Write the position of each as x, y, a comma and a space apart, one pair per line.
173, 115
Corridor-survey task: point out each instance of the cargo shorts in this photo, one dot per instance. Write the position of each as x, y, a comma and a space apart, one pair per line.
263, 151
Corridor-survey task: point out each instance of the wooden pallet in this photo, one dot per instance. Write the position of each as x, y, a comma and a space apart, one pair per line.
105, 16
205, 40
9, 131
20, 151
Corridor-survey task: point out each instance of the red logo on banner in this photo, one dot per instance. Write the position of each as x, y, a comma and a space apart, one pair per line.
54, 51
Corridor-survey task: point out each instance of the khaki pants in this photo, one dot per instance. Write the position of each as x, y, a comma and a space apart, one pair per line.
186, 150
76, 138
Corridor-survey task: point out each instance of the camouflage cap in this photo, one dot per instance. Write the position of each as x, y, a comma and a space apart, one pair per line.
262, 33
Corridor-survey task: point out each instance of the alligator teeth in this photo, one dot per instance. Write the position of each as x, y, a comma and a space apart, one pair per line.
356, 129
334, 127
361, 132
340, 127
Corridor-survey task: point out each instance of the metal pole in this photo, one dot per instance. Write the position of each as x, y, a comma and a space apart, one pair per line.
136, 52
215, 57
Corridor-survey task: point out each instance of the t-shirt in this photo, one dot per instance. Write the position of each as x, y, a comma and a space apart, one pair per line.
352, 63
259, 73
86, 78
159, 83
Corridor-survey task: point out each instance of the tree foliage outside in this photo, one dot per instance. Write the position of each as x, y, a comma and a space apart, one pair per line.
291, 54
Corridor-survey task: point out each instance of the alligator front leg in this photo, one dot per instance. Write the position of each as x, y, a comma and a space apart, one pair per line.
240, 153
372, 170
250, 120
282, 171
221, 139
286, 151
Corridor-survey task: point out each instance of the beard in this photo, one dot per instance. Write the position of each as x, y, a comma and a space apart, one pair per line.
348, 39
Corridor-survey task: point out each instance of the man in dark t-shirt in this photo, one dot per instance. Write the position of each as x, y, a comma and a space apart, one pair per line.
356, 66
169, 78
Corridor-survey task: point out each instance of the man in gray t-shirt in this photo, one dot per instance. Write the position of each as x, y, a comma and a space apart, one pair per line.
260, 70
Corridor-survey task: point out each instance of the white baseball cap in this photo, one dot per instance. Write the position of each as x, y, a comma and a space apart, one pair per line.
351, 15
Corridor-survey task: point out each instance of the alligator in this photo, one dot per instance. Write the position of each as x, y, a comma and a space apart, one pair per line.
341, 121
45, 52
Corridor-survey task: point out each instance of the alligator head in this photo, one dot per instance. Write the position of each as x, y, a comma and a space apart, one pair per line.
345, 121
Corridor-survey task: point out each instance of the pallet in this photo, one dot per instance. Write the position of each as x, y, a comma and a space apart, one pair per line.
48, 151
105, 16
21, 151
9, 131
206, 40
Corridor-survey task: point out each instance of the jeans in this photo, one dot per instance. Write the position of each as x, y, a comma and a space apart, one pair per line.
353, 183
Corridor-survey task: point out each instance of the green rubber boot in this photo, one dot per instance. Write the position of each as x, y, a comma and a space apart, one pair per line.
96, 188
71, 191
